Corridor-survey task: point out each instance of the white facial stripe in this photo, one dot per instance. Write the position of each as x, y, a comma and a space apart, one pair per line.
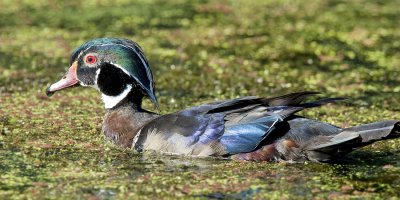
141, 56
111, 101
101, 45
127, 73
97, 75
95, 80
121, 68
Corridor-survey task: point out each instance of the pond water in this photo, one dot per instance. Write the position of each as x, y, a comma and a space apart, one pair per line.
199, 51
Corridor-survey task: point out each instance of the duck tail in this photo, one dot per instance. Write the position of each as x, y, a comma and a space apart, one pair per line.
353, 138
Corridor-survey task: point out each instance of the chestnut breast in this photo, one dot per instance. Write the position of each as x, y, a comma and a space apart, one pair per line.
121, 125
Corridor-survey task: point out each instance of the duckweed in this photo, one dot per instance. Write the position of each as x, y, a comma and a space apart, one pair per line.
200, 51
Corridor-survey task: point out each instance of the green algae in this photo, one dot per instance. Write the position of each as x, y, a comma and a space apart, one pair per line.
200, 51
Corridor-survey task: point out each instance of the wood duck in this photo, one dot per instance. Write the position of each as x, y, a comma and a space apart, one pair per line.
247, 128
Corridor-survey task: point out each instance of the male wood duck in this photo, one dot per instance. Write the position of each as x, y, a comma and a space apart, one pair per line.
247, 128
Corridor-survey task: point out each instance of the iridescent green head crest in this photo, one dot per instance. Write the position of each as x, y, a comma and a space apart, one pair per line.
126, 55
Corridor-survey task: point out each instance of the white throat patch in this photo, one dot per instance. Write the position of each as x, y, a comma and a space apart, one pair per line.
111, 101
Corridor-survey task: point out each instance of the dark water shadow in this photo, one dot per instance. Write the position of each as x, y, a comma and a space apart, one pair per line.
245, 194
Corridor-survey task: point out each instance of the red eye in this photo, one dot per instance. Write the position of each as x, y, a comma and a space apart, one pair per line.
91, 59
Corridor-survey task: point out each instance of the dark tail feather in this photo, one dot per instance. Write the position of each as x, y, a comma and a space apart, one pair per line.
321, 102
289, 99
293, 99
355, 137
294, 109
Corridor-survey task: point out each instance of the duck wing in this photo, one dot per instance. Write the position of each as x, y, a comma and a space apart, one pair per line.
222, 127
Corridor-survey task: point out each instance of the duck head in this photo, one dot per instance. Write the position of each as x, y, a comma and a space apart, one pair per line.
116, 67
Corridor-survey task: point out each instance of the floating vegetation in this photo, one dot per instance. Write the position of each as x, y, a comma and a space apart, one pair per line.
199, 51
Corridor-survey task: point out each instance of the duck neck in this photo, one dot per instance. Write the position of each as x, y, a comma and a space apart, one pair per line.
123, 121
133, 101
